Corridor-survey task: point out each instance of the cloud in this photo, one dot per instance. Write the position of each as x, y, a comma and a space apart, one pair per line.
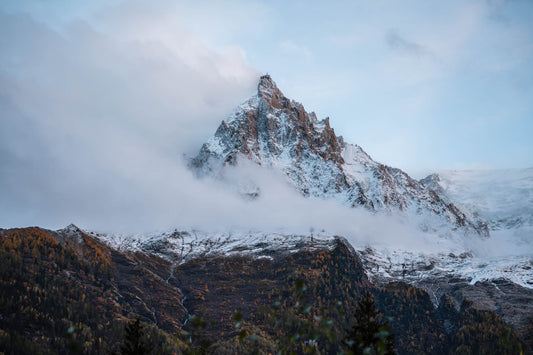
94, 125
96, 114
289, 46
94, 122
398, 43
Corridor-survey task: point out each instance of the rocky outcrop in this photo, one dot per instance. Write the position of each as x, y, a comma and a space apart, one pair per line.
273, 131
432, 183
512, 302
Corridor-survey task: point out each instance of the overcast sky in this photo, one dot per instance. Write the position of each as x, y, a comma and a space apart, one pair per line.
99, 100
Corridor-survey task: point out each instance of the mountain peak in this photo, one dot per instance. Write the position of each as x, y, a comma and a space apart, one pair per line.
273, 131
266, 82
72, 228
268, 91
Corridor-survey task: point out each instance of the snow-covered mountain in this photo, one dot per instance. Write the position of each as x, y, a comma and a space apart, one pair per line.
275, 132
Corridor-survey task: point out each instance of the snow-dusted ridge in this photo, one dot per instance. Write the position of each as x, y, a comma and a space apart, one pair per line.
382, 264
182, 245
385, 266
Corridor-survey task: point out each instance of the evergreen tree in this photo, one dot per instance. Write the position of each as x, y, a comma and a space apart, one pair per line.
135, 342
369, 335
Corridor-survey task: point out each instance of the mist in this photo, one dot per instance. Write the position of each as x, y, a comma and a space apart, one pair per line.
94, 125
98, 123
97, 129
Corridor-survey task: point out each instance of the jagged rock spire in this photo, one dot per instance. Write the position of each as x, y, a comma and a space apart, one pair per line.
268, 90
266, 84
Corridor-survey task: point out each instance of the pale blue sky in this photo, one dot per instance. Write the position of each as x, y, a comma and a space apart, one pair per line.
418, 84
421, 85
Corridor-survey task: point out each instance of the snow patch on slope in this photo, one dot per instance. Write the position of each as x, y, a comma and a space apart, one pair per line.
385, 265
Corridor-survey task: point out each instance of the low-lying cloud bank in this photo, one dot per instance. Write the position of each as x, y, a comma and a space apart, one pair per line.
95, 125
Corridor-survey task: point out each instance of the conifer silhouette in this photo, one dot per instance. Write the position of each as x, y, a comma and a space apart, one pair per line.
135, 342
369, 335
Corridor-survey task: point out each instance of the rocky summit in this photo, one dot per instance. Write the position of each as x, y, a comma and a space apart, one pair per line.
275, 132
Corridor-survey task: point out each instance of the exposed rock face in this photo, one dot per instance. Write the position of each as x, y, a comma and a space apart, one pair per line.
508, 300
442, 277
432, 182
273, 131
